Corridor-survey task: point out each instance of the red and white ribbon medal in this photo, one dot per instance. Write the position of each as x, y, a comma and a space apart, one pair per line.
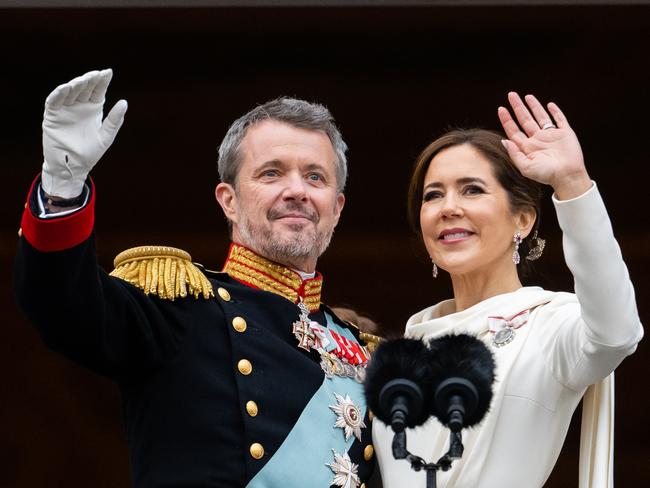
504, 328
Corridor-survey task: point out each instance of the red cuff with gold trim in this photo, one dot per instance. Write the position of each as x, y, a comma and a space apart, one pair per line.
57, 234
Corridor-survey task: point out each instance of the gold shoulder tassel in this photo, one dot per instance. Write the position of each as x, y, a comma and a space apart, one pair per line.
371, 340
166, 272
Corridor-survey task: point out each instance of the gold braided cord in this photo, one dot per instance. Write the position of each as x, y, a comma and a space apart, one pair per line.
165, 272
195, 280
259, 280
182, 280
172, 278
313, 293
371, 340
142, 272
312, 302
206, 286
154, 277
246, 266
148, 273
149, 252
313, 286
281, 273
161, 278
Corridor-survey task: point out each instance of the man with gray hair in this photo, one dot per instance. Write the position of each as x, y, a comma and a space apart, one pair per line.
234, 378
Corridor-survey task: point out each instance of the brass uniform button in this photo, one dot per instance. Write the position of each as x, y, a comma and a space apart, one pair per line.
363, 485
20, 232
256, 450
245, 367
371, 415
223, 293
368, 452
239, 324
251, 408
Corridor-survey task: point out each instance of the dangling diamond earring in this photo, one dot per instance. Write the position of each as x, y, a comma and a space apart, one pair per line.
515, 255
536, 252
434, 271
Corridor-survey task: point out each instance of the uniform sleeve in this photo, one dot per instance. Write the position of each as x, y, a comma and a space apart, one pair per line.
594, 334
79, 310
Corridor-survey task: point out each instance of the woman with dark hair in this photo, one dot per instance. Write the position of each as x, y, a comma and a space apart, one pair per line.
475, 198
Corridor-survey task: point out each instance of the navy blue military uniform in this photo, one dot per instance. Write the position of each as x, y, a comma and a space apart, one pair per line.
213, 388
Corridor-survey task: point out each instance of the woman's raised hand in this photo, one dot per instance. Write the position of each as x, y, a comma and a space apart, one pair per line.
547, 150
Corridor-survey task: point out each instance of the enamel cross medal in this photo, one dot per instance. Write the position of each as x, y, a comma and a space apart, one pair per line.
339, 356
302, 329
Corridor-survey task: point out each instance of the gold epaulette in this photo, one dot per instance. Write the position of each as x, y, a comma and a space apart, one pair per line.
371, 340
166, 272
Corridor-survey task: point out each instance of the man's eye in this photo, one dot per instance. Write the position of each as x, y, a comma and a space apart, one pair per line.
314, 177
270, 173
431, 195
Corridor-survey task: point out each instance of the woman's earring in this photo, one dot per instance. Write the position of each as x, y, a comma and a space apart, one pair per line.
434, 271
515, 255
536, 252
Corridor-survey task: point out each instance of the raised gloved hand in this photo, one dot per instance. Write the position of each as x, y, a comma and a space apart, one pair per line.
74, 135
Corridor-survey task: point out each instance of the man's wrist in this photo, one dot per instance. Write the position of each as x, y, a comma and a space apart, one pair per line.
61, 202
55, 204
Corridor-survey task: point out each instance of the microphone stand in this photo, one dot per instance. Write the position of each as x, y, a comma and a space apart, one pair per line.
417, 463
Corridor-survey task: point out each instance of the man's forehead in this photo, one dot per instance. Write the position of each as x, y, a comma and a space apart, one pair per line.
272, 139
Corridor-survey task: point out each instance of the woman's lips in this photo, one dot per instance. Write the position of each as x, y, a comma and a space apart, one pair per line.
453, 236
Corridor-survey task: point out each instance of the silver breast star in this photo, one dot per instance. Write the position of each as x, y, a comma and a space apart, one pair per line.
348, 416
345, 471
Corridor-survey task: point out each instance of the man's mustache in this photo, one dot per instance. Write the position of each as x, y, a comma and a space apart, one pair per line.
293, 209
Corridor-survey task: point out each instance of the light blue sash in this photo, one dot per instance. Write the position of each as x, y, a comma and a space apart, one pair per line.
302, 458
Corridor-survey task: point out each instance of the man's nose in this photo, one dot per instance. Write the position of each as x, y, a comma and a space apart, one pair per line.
295, 188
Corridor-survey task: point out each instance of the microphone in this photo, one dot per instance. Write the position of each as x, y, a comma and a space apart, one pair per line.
463, 375
398, 382
451, 379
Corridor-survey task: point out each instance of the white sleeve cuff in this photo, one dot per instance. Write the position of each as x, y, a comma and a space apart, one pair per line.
46, 214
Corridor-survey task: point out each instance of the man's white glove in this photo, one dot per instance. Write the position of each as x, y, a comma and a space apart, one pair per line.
74, 136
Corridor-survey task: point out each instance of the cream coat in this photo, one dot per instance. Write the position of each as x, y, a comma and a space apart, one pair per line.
570, 341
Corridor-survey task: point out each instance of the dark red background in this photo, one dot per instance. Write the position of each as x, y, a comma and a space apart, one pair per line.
394, 78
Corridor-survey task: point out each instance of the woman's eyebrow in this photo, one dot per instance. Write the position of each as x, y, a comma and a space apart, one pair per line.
470, 179
460, 181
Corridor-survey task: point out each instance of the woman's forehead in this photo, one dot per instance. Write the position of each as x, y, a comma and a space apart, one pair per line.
459, 162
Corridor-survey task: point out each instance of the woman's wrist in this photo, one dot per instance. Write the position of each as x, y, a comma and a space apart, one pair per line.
570, 187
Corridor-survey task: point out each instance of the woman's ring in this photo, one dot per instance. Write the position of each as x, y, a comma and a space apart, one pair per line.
549, 125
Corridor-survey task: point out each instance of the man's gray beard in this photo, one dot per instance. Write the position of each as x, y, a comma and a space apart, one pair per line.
305, 245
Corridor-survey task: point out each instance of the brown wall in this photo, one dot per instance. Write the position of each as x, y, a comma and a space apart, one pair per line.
394, 78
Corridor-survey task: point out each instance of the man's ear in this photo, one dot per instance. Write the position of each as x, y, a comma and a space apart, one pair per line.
338, 207
227, 198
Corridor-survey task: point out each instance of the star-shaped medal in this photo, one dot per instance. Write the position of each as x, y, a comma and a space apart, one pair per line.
348, 416
345, 471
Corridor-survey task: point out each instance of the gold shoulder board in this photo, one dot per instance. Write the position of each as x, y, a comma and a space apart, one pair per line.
166, 272
371, 340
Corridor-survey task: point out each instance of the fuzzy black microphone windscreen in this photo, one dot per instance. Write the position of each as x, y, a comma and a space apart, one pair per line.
398, 359
466, 357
